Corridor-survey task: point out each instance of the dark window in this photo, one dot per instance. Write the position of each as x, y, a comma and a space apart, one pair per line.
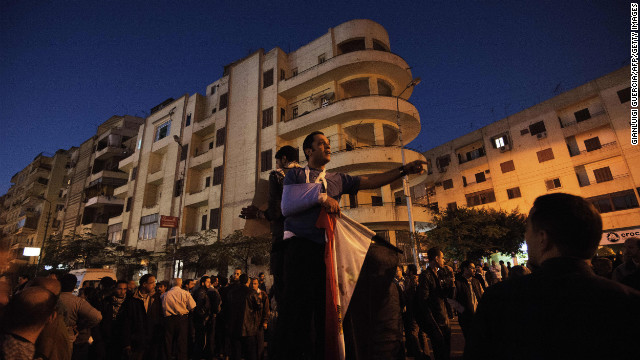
353, 201
464, 181
134, 173
624, 95
621, 200
265, 160
592, 144
224, 101
524, 131
267, 117
513, 193
203, 224
383, 234
282, 74
442, 162
322, 58
210, 144
447, 184
294, 72
480, 177
188, 120
481, 197
294, 112
537, 128
207, 181
178, 190
128, 206
184, 151
378, 45
603, 174
552, 184
545, 155
376, 201
213, 89
471, 155
218, 175
214, 219
351, 45
283, 113
507, 166
452, 206
221, 134
582, 115
267, 78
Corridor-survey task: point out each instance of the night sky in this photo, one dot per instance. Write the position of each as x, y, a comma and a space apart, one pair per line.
67, 66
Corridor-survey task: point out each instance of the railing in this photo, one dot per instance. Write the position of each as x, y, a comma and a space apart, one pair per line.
602, 147
371, 147
572, 123
392, 203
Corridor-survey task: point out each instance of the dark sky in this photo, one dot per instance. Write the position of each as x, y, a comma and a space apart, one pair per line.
67, 66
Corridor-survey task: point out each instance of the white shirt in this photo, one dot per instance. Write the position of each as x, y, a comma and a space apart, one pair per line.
177, 302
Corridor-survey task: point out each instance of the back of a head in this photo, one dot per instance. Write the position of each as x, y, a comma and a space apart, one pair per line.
433, 253
572, 224
107, 283
203, 280
244, 278
308, 142
289, 152
68, 282
412, 269
30, 308
144, 279
465, 264
50, 284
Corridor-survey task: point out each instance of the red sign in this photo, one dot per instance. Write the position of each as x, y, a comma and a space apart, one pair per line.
168, 221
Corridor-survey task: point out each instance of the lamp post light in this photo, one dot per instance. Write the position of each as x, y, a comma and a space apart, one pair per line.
44, 238
176, 138
405, 179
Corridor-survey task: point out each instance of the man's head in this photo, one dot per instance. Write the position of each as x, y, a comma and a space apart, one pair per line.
236, 274
131, 285
501, 262
52, 285
468, 269
285, 155
562, 225
189, 284
244, 279
435, 256
162, 286
121, 289
205, 282
255, 284
214, 280
30, 309
317, 149
68, 282
632, 248
147, 283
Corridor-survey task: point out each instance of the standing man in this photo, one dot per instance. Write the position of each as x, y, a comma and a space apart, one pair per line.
432, 297
142, 334
201, 316
216, 303
303, 312
113, 320
176, 304
468, 293
563, 310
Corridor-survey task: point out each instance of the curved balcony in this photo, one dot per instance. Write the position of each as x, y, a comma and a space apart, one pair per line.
389, 65
197, 199
127, 163
102, 200
202, 161
606, 151
352, 109
389, 213
381, 158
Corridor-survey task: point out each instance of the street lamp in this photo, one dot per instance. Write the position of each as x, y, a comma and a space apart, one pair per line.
44, 238
405, 178
176, 138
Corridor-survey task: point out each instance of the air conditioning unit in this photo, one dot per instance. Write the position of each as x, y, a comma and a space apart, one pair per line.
541, 135
438, 183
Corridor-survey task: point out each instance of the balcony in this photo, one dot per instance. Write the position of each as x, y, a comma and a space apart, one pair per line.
156, 177
573, 128
160, 146
197, 199
150, 209
94, 228
473, 187
202, 161
115, 220
111, 151
379, 157
205, 126
102, 200
383, 63
608, 150
121, 191
387, 213
126, 164
620, 182
107, 174
351, 110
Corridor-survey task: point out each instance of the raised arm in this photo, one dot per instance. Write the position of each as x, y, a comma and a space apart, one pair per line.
374, 181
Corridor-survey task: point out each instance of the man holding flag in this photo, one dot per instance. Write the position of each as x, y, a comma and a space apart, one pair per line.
307, 192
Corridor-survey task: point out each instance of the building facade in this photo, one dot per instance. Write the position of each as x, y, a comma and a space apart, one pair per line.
578, 142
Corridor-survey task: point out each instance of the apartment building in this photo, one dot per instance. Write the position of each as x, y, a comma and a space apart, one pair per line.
577, 142
202, 158
31, 205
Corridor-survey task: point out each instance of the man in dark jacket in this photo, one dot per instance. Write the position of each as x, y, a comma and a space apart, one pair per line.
468, 293
432, 311
201, 315
244, 319
216, 303
142, 330
563, 310
113, 320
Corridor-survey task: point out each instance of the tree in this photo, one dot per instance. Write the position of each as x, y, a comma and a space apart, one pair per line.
241, 249
198, 251
71, 251
469, 233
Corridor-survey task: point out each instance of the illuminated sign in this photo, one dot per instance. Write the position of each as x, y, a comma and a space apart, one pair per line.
31, 251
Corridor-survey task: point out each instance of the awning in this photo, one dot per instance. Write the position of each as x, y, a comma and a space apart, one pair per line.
618, 236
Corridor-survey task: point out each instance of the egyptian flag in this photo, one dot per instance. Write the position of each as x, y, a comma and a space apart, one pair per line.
347, 243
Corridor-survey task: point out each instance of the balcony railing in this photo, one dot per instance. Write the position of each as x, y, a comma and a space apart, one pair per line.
603, 147
575, 122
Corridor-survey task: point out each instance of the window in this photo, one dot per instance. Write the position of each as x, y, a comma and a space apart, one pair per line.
384, 234
214, 219
162, 131
376, 201
283, 113
480, 177
267, 78
617, 201
464, 181
203, 222
603, 174
442, 162
114, 233
379, 45
537, 128
213, 89
134, 173
218, 175
184, 151
224, 101
513, 193
127, 208
507, 166
267, 117
353, 201
452, 206
210, 145
265, 160
178, 189
624, 95
148, 227
592, 144
500, 141
351, 45
447, 184
471, 155
582, 115
480, 197
545, 155
188, 120
322, 58
220, 136
524, 132
207, 181
553, 184
282, 74
294, 72
294, 112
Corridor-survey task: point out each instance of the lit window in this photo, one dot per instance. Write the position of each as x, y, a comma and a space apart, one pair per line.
162, 131
499, 142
